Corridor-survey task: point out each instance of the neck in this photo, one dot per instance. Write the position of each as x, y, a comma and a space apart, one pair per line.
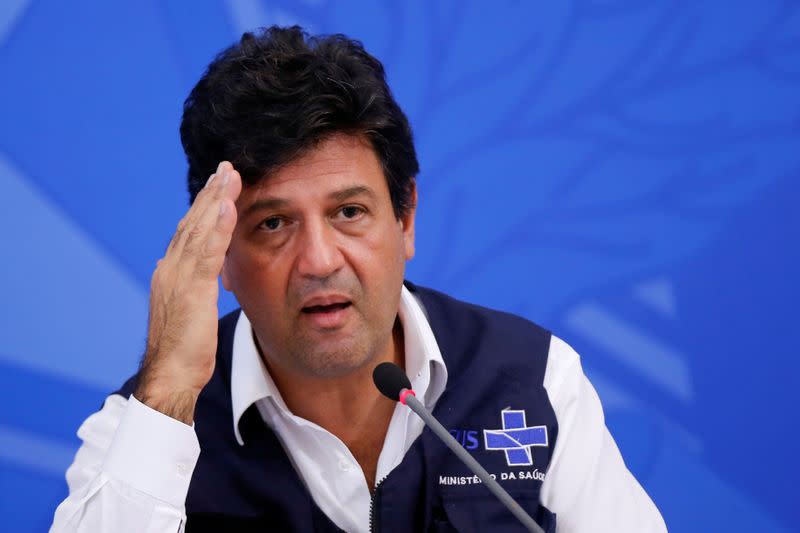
349, 406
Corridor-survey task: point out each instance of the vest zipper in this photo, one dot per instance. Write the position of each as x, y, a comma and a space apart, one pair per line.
372, 504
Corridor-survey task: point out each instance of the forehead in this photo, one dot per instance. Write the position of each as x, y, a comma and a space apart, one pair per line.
340, 161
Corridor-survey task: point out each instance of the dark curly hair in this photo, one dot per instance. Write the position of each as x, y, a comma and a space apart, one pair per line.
275, 94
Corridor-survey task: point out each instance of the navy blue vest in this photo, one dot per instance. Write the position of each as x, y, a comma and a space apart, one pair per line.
495, 362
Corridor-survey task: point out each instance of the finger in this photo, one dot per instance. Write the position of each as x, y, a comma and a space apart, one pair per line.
211, 257
229, 187
200, 203
233, 188
208, 239
176, 240
199, 225
205, 198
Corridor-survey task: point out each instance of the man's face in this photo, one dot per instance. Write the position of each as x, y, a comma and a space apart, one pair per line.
317, 260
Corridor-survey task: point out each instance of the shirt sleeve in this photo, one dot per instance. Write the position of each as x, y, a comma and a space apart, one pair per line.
588, 485
131, 473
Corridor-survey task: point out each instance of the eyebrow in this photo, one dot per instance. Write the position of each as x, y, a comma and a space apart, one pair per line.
264, 204
350, 192
268, 203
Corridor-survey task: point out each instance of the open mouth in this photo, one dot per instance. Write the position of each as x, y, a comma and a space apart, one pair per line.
319, 309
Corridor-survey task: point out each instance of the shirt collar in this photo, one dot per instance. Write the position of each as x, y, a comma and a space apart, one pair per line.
251, 382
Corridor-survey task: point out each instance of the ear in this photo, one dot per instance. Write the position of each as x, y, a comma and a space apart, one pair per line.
407, 222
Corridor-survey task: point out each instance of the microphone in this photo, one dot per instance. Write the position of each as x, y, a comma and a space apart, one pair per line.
390, 380
393, 383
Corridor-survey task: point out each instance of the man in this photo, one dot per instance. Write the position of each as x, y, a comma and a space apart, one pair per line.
268, 419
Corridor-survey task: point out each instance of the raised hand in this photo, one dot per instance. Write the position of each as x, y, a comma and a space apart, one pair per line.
184, 290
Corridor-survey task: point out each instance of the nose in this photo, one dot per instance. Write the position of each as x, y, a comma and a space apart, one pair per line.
319, 255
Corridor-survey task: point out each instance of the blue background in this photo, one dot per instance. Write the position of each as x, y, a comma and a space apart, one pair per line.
624, 173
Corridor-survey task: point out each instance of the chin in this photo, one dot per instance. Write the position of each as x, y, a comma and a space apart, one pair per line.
339, 365
335, 362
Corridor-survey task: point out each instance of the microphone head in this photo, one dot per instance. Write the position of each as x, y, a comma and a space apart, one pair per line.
390, 380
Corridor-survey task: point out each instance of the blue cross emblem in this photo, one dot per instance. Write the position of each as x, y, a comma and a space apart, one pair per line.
515, 439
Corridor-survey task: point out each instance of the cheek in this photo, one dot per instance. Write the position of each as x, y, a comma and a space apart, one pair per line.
260, 289
382, 254
254, 274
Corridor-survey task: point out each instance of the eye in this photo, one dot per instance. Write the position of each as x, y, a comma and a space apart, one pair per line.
351, 212
272, 223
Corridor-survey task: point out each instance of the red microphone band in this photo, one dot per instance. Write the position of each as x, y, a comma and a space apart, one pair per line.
404, 393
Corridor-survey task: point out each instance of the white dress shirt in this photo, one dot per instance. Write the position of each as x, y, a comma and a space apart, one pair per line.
328, 469
133, 470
